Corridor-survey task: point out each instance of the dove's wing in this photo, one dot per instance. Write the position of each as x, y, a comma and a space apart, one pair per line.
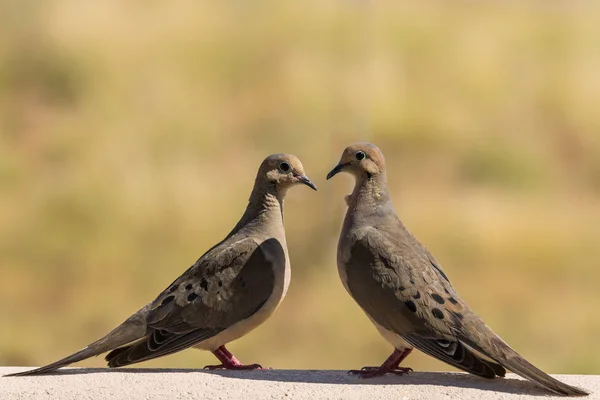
407, 293
225, 286
399, 292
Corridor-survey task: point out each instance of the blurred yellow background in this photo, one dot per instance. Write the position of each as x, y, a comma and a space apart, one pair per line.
131, 131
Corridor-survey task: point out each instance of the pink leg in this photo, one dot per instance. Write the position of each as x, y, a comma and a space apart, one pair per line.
390, 365
228, 361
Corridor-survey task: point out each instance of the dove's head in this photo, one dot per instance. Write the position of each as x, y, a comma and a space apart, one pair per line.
283, 171
363, 160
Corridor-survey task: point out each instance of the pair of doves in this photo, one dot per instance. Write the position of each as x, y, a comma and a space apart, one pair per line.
237, 284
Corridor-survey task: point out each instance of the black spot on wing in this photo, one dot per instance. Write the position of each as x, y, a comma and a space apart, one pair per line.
167, 300
204, 284
411, 305
438, 299
192, 296
437, 313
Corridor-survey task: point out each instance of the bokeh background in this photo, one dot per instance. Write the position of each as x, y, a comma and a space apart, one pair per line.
131, 131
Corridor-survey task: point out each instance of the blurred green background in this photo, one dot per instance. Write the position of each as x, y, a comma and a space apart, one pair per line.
131, 131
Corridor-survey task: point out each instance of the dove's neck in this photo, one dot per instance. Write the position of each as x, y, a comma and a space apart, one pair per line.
264, 211
370, 195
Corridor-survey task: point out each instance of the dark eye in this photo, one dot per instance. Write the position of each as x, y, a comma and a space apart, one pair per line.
360, 155
285, 167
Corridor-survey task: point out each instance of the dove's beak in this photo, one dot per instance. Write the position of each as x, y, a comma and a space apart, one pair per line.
336, 170
304, 180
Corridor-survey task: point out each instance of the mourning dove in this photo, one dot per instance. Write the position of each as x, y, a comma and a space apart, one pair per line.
234, 287
404, 291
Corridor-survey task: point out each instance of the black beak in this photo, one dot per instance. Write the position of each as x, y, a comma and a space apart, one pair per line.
338, 168
304, 179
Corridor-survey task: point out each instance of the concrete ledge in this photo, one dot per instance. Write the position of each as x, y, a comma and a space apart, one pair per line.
101, 383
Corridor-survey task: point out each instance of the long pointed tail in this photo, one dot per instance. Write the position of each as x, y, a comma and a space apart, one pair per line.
498, 350
524, 368
132, 329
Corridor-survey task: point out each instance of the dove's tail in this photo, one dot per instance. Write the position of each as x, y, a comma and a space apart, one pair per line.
132, 329
502, 353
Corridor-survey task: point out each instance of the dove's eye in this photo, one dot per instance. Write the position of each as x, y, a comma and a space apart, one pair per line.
284, 167
360, 155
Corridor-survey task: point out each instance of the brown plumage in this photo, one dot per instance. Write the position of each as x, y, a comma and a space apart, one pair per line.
230, 290
404, 290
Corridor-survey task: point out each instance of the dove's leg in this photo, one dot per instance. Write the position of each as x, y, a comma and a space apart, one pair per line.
390, 365
228, 361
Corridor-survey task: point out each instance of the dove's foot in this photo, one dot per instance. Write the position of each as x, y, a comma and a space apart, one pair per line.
389, 366
228, 361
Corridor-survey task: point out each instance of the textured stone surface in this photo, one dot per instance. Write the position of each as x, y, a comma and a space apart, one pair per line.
86, 383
